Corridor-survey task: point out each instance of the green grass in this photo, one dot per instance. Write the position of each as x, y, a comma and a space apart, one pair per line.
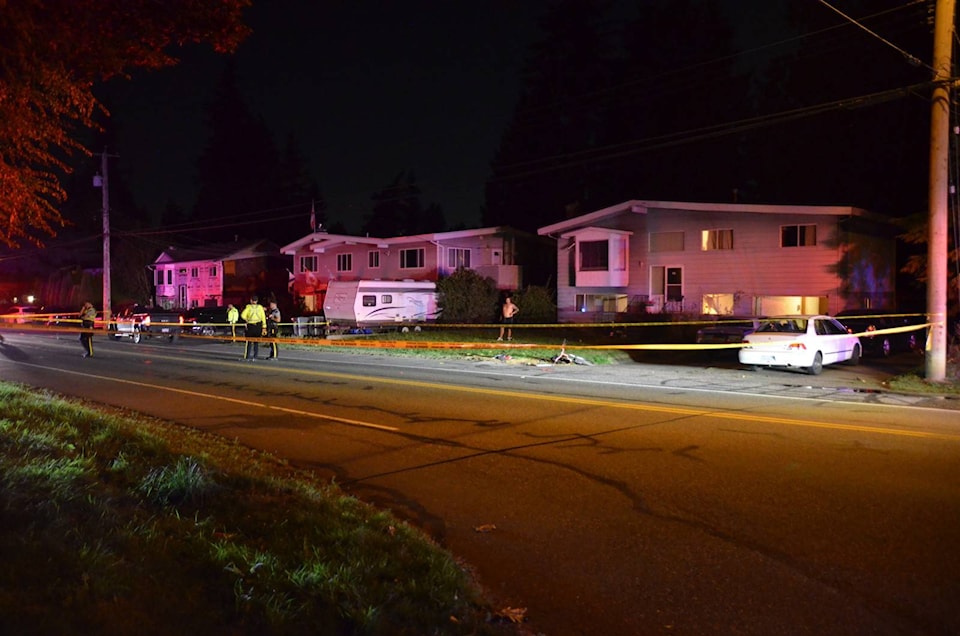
116, 524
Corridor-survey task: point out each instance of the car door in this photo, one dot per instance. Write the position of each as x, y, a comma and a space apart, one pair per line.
833, 339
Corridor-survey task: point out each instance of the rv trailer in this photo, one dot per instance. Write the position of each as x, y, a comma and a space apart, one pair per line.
379, 303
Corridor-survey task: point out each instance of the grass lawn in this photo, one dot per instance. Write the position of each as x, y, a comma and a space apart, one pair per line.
112, 523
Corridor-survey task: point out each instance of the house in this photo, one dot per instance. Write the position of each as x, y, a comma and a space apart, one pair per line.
718, 258
217, 274
510, 257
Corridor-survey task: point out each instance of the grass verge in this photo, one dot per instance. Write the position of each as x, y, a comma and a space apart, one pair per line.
118, 524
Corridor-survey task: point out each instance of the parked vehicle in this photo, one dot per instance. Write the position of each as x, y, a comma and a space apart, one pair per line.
377, 303
139, 322
728, 330
19, 314
803, 342
206, 321
865, 323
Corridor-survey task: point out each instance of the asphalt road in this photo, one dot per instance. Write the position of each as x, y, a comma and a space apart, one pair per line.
687, 498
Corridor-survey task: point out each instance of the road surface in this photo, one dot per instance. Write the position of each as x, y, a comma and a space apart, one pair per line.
632, 500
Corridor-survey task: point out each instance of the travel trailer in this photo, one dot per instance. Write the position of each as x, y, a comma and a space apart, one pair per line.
369, 303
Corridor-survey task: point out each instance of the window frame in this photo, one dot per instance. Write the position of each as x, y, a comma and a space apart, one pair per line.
418, 254
345, 262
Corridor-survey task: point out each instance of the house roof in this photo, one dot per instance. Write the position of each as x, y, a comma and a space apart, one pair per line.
321, 241
218, 252
635, 206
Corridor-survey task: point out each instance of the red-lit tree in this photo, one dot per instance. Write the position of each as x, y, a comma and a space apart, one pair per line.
51, 54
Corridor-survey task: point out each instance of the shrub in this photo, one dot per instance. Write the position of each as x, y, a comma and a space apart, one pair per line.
536, 305
467, 297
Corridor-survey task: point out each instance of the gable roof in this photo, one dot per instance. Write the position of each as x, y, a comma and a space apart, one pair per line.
635, 206
218, 252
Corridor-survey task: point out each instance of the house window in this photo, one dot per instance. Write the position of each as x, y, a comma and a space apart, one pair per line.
182, 271
674, 286
458, 257
716, 240
411, 259
666, 241
373, 259
159, 277
594, 255
169, 277
194, 272
213, 272
798, 235
344, 262
308, 263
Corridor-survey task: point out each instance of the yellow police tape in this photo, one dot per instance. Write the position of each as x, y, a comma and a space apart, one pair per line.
58, 324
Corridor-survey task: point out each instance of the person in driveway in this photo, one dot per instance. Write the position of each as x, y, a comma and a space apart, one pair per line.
88, 316
255, 318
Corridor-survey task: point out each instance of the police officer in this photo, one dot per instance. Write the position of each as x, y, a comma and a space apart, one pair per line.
255, 318
88, 316
233, 315
273, 329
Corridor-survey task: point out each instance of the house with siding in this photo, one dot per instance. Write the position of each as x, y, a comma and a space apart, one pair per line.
510, 257
220, 273
722, 259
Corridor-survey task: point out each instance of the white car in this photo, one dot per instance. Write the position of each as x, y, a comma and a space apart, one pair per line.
802, 342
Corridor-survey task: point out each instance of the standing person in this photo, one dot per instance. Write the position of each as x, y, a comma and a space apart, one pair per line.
273, 329
88, 317
507, 312
233, 315
255, 318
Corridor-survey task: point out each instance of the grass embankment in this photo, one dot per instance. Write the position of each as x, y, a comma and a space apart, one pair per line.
112, 524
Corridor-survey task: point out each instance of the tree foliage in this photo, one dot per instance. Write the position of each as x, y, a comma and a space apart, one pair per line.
398, 210
537, 305
52, 52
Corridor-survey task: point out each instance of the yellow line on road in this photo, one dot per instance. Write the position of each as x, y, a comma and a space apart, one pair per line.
341, 420
580, 401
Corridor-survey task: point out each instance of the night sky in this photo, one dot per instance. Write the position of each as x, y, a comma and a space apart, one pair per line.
369, 89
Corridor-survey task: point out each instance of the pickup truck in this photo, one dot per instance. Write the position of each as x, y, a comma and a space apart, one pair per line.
138, 322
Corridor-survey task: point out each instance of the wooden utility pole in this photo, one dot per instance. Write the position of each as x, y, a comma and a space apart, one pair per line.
936, 358
104, 183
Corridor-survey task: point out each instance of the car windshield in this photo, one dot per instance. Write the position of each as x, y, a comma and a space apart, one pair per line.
784, 325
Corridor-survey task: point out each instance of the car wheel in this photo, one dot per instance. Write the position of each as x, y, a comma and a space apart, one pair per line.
854, 356
136, 337
817, 366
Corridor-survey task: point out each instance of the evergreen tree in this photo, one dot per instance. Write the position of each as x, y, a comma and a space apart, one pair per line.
238, 172
398, 211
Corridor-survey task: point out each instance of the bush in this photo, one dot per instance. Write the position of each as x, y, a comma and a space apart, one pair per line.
536, 305
467, 297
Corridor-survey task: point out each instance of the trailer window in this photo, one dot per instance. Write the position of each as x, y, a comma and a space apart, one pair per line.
369, 301
386, 299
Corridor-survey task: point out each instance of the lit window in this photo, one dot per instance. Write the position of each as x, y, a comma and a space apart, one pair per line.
344, 262
716, 240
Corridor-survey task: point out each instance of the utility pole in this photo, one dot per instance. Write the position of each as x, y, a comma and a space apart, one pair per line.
936, 358
103, 182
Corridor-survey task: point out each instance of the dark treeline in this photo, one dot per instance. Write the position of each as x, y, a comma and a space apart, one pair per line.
753, 101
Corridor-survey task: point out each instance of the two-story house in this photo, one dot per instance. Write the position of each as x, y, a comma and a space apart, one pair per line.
510, 257
716, 258
217, 274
